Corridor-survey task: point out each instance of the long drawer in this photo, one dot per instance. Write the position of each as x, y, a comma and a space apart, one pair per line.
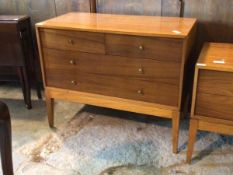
122, 67
129, 88
73, 40
163, 49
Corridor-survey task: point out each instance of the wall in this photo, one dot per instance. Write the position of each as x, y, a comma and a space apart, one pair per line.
40, 10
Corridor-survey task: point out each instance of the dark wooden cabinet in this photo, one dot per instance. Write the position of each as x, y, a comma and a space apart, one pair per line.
17, 51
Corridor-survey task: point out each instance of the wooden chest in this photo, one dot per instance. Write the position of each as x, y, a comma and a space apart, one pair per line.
212, 106
132, 63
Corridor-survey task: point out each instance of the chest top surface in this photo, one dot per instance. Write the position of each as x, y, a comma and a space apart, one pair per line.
173, 27
12, 18
217, 56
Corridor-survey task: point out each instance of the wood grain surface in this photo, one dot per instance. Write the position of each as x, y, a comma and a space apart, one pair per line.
215, 82
73, 40
128, 88
171, 27
213, 88
111, 102
163, 49
216, 106
123, 67
216, 56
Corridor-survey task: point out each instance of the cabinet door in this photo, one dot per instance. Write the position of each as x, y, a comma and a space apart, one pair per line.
10, 45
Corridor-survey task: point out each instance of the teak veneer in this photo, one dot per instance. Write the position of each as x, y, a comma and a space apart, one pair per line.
212, 103
131, 63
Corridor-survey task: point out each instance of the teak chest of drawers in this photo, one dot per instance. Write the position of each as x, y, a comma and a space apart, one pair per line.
132, 63
212, 106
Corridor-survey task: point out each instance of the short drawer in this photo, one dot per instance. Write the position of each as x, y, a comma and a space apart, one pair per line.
73, 40
122, 67
163, 49
215, 82
216, 106
128, 88
214, 94
61, 78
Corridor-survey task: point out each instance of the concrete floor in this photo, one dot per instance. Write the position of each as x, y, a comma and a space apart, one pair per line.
98, 141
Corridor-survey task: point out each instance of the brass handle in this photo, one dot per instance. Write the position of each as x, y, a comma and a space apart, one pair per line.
72, 62
140, 91
71, 41
141, 47
73, 82
140, 70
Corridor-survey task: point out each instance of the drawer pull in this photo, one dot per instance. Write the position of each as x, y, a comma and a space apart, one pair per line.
71, 41
141, 47
72, 62
140, 70
73, 82
140, 92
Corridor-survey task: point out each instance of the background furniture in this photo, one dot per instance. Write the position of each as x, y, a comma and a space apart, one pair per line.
132, 63
212, 106
5, 140
16, 50
214, 17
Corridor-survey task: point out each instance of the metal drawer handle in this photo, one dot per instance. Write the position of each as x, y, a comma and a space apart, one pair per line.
140, 70
72, 62
71, 41
141, 47
140, 91
73, 82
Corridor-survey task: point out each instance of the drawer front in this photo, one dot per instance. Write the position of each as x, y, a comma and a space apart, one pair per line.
216, 106
122, 67
73, 40
128, 88
215, 82
215, 94
162, 49
60, 77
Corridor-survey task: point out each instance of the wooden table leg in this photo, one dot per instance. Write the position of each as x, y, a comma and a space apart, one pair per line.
50, 109
175, 130
26, 87
38, 89
33, 62
5, 140
192, 138
20, 74
28, 101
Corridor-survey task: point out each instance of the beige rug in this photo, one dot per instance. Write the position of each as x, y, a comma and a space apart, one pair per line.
100, 141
